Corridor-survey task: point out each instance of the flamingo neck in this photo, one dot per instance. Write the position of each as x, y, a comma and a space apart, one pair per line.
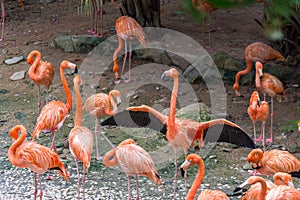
112, 107
243, 72
116, 66
66, 88
78, 112
197, 182
110, 162
171, 119
31, 71
12, 150
263, 190
257, 79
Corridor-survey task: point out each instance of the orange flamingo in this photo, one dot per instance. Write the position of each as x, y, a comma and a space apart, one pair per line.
283, 192
99, 105
271, 86
269, 162
181, 133
258, 111
80, 138
194, 159
34, 156
3, 17
41, 72
254, 52
127, 28
133, 160
54, 113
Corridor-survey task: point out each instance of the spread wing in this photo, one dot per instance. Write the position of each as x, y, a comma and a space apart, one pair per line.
229, 134
136, 119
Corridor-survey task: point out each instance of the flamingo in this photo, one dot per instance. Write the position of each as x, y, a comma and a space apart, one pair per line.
54, 113
3, 17
258, 111
80, 138
254, 52
29, 154
194, 159
269, 162
127, 28
181, 133
99, 105
95, 13
41, 72
133, 160
271, 86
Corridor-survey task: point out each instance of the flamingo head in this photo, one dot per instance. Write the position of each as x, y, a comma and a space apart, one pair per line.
127, 141
254, 157
68, 64
250, 181
259, 67
190, 160
117, 95
236, 88
171, 73
284, 178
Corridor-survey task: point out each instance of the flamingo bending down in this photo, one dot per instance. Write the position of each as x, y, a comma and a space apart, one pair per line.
80, 138
269, 162
99, 105
254, 52
41, 72
194, 159
127, 28
133, 160
181, 133
34, 156
271, 86
258, 111
3, 17
54, 113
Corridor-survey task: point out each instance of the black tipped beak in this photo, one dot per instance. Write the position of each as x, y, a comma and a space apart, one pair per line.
75, 71
237, 189
182, 172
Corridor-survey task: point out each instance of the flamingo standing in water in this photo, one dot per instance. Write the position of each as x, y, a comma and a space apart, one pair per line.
254, 52
41, 72
133, 160
258, 111
3, 17
194, 159
99, 105
181, 133
80, 138
54, 113
271, 86
269, 162
127, 28
34, 156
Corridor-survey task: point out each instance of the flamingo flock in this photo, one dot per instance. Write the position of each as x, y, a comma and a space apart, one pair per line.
182, 134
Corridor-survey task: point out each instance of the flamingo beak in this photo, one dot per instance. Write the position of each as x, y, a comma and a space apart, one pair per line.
290, 184
163, 75
118, 100
184, 166
238, 188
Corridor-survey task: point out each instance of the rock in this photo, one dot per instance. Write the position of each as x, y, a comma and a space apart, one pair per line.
14, 60
18, 76
3, 91
291, 60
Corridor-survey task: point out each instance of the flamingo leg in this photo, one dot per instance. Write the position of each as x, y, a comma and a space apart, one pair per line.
125, 56
83, 180
53, 147
56, 20
2, 20
129, 192
254, 133
263, 133
96, 140
271, 128
129, 62
137, 187
176, 175
39, 101
78, 179
35, 186
41, 188
92, 30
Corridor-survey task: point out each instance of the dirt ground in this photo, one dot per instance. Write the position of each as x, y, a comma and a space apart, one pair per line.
33, 29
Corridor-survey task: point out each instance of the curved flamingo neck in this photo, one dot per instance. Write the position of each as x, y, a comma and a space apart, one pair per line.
263, 190
117, 51
257, 79
66, 87
31, 71
112, 107
110, 162
171, 119
197, 182
78, 112
243, 72
12, 150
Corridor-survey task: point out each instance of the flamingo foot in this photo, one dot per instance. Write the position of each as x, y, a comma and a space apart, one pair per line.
118, 81
99, 158
1, 39
98, 35
260, 139
254, 173
270, 140
92, 31
50, 178
127, 80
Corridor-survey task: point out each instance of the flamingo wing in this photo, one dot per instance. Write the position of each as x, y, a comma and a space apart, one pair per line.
229, 134
136, 119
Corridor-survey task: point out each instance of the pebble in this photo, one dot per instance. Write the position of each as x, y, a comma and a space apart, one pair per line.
14, 60
18, 75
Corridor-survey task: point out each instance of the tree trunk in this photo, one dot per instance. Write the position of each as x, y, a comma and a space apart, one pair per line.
145, 12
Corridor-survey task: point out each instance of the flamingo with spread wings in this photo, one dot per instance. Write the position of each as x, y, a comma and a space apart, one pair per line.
80, 138
194, 159
127, 28
34, 156
41, 72
99, 105
181, 133
54, 113
254, 52
134, 161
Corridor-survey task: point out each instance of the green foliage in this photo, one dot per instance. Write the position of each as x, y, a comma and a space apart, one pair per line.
292, 124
